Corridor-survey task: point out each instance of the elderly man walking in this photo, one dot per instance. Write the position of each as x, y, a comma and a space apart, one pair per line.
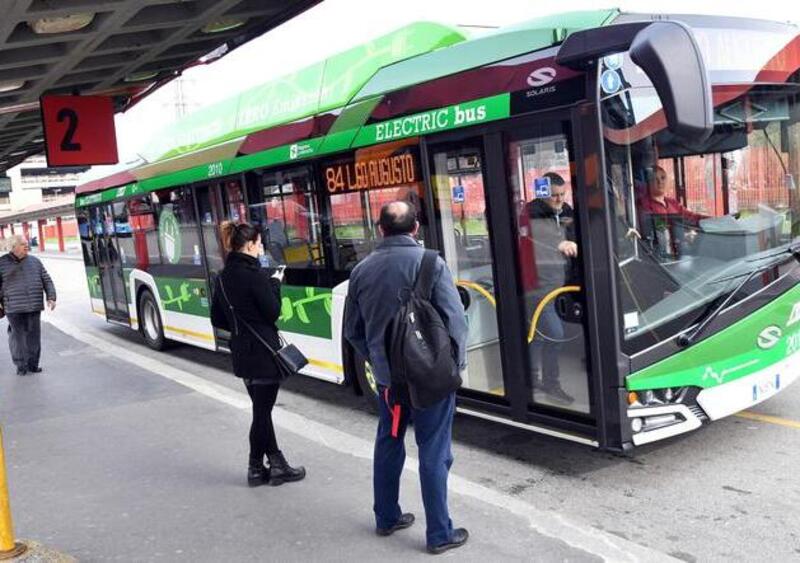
23, 283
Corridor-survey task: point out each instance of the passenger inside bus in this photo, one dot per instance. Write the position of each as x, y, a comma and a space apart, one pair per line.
665, 223
552, 228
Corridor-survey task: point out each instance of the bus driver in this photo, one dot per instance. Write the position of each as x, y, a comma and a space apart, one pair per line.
659, 215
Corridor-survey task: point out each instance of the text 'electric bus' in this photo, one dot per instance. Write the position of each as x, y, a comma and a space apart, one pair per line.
616, 195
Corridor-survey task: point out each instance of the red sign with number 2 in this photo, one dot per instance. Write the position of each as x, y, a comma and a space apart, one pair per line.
79, 130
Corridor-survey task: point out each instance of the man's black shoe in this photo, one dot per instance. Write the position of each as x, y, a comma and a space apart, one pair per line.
34, 370
405, 521
459, 538
22, 371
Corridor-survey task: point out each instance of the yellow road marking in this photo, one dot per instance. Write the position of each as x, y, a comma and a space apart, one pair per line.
770, 419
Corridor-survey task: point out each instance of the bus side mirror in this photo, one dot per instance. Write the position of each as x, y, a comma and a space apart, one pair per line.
670, 57
668, 54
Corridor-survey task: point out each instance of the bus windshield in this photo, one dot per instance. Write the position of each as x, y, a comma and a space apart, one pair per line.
690, 219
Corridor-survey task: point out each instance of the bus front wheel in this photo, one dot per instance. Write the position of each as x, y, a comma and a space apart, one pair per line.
150, 322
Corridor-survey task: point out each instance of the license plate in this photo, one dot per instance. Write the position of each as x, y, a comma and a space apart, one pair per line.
765, 387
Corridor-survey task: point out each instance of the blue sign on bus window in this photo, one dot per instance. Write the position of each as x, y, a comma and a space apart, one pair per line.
541, 187
458, 194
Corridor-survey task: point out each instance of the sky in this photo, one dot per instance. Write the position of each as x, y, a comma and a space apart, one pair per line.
336, 25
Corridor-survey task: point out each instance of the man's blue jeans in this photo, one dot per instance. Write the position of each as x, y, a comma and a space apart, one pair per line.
433, 431
546, 345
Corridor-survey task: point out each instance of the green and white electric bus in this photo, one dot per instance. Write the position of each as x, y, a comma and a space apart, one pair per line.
673, 140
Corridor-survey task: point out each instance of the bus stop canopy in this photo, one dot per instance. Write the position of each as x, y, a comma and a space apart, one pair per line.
121, 48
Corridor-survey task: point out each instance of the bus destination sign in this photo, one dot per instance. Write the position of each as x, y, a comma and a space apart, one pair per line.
371, 171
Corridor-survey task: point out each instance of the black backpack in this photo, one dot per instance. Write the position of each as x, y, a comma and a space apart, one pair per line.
421, 356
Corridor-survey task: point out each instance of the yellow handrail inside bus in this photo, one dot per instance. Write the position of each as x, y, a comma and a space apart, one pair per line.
539, 308
543, 303
480, 289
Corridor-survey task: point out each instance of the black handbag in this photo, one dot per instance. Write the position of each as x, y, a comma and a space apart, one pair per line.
288, 357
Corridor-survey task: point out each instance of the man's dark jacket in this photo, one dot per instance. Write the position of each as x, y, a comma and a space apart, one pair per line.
24, 283
256, 298
379, 285
548, 230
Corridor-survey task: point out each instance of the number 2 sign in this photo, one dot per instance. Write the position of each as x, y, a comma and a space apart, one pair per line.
79, 130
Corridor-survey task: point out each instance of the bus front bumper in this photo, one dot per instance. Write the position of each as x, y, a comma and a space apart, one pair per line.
661, 419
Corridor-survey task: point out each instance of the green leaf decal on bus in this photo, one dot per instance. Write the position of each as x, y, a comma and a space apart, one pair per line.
183, 296
306, 310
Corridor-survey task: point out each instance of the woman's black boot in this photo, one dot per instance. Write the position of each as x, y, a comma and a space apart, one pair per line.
281, 472
257, 474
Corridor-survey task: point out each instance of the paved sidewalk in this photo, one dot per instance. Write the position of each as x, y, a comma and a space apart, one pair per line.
110, 461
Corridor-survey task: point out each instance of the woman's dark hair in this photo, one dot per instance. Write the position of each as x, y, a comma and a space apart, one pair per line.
236, 235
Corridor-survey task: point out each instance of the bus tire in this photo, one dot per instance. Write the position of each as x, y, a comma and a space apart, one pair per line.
366, 381
150, 322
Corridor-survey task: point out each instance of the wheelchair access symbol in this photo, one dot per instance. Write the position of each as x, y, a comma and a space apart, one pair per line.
541, 187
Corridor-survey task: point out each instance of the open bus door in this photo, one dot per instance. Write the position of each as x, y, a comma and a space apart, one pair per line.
510, 232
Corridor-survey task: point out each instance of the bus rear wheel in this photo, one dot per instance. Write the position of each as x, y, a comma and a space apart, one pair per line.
150, 322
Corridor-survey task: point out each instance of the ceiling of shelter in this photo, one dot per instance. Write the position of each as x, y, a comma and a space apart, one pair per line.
122, 48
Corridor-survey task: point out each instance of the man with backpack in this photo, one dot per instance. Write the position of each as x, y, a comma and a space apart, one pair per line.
404, 316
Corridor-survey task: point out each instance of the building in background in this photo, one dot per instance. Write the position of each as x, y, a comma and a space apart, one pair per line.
37, 201
5, 194
33, 182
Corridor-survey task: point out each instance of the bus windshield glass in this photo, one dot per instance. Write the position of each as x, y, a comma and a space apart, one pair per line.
690, 220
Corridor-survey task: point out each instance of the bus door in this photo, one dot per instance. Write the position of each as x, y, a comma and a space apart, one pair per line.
510, 233
540, 171
216, 203
109, 265
459, 193
208, 213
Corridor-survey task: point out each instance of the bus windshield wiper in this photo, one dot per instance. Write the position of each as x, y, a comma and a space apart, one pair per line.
688, 338
793, 249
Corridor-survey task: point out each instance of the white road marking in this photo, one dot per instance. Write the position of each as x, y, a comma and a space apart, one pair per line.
577, 534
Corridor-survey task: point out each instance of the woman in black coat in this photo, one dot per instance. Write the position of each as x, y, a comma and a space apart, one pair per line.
245, 294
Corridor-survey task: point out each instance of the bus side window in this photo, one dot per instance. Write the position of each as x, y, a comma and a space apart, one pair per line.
175, 216
360, 185
355, 220
283, 206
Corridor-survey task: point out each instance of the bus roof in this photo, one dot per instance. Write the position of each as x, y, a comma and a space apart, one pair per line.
354, 79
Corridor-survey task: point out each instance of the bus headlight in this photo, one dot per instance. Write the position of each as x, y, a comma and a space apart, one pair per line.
636, 425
